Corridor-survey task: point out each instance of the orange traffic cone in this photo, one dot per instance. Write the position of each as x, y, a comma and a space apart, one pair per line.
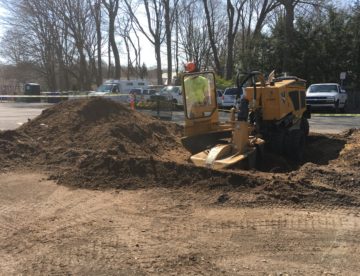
132, 102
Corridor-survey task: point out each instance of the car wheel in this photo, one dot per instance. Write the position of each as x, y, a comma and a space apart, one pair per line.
337, 107
343, 109
305, 126
174, 103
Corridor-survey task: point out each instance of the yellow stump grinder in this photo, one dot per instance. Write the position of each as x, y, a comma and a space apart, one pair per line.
271, 112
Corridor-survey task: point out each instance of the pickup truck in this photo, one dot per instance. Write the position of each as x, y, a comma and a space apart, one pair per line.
326, 95
176, 94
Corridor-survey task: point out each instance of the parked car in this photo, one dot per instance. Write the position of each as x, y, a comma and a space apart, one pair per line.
326, 95
141, 95
109, 90
121, 86
176, 94
229, 97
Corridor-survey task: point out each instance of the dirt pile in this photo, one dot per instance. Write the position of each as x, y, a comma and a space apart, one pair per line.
350, 155
69, 131
341, 172
100, 144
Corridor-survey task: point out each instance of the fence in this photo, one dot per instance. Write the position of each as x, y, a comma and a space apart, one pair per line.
353, 99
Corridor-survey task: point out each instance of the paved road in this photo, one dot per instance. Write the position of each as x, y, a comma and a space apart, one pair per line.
12, 115
333, 124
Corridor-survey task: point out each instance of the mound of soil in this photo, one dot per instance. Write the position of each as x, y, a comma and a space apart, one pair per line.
69, 131
100, 144
350, 155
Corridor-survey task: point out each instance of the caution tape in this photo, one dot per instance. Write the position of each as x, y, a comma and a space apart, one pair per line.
315, 114
59, 96
41, 96
334, 115
4, 97
224, 110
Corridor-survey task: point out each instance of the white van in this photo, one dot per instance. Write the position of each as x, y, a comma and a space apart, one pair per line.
120, 87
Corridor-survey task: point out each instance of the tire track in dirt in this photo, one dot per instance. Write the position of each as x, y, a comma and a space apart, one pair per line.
154, 232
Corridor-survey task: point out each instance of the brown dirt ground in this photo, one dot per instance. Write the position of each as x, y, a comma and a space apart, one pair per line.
91, 187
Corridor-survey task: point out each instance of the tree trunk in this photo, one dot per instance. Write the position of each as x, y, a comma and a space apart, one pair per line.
218, 67
177, 43
289, 31
114, 48
52, 74
230, 41
83, 70
168, 40
158, 61
112, 7
99, 76
109, 75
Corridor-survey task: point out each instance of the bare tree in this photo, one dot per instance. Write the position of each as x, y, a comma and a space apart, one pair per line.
263, 9
125, 29
38, 29
77, 19
166, 4
234, 12
65, 52
112, 7
14, 47
169, 21
129, 34
211, 20
97, 15
193, 36
289, 6
177, 30
154, 32
254, 16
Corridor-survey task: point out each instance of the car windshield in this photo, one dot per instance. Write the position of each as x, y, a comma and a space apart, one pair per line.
323, 88
231, 91
136, 91
105, 88
171, 89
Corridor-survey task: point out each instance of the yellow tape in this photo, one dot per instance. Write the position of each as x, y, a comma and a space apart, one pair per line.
224, 110
59, 96
334, 115
315, 114
114, 95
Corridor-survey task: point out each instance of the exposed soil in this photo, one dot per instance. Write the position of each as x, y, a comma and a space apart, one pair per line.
67, 132
101, 144
49, 229
108, 150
